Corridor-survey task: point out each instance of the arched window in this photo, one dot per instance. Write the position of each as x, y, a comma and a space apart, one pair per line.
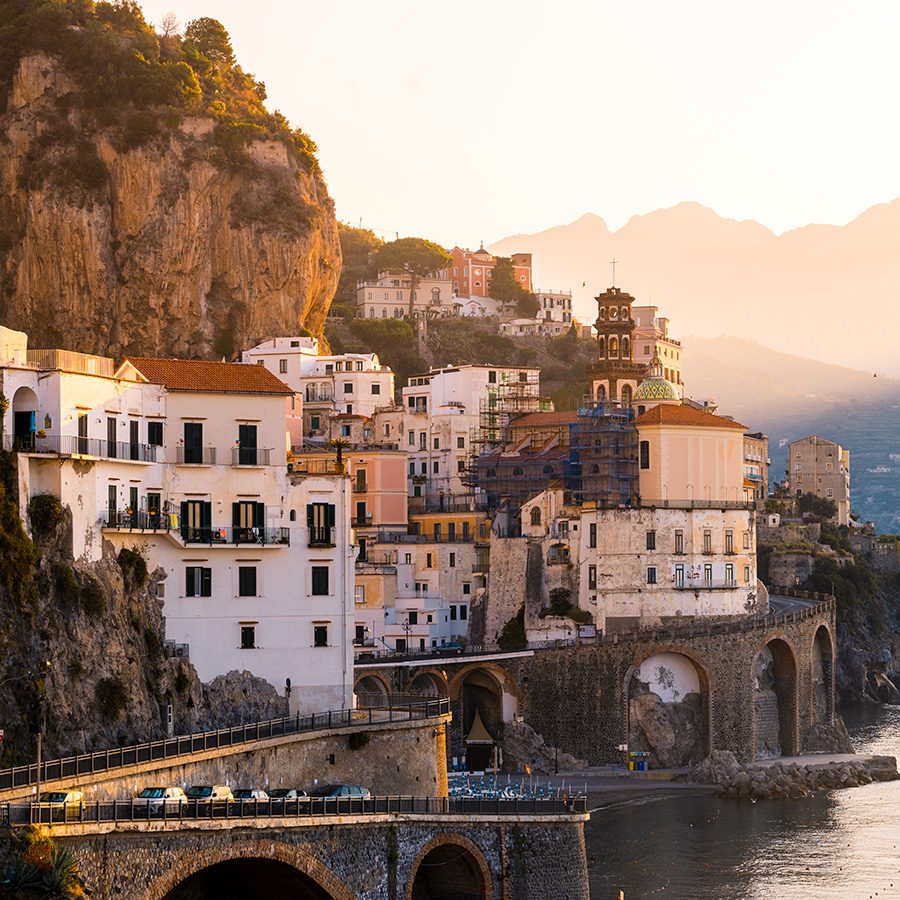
602, 312
595, 469
535, 515
383, 312
624, 313
293, 515
491, 473
548, 470
613, 347
601, 346
626, 348
601, 394
371, 312
626, 394
324, 391
435, 297
518, 471
310, 393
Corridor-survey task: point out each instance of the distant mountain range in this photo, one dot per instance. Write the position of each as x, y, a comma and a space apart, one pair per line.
827, 292
789, 397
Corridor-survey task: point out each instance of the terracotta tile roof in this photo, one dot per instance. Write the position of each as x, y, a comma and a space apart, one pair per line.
545, 419
685, 415
208, 377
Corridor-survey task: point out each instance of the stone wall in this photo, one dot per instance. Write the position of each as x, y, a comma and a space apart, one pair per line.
400, 758
529, 858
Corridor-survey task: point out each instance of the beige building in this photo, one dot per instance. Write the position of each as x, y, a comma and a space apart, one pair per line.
821, 467
388, 297
651, 339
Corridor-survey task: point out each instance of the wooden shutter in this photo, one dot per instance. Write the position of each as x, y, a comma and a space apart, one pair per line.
206, 582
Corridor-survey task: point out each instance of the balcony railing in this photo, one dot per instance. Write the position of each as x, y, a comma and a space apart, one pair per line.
72, 445
316, 467
235, 535
321, 537
360, 487
195, 456
142, 520
362, 521
696, 504
250, 456
701, 584
402, 537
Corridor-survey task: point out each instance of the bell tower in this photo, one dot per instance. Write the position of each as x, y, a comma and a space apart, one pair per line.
615, 376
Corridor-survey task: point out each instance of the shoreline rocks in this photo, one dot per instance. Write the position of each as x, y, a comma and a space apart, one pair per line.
788, 780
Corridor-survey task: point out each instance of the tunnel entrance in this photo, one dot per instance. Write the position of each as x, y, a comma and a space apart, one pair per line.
449, 872
482, 718
238, 879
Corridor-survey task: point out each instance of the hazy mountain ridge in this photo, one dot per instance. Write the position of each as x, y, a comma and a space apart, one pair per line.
789, 397
823, 291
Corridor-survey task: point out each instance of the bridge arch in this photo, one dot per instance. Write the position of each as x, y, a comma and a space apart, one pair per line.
773, 680
317, 878
822, 676
371, 689
667, 693
449, 865
431, 683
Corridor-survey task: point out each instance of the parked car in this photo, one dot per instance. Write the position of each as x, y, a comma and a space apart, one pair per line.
287, 794
250, 794
156, 798
454, 648
204, 793
341, 790
68, 802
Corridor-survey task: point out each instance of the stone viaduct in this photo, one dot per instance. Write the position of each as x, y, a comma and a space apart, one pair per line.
371, 857
763, 682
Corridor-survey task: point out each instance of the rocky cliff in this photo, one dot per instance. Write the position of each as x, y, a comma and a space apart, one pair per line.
155, 229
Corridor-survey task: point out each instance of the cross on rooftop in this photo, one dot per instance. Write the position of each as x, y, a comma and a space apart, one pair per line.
613, 262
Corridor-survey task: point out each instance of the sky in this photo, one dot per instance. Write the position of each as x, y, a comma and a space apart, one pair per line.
471, 121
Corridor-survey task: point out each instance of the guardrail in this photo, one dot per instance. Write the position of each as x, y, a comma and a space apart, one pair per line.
186, 745
100, 811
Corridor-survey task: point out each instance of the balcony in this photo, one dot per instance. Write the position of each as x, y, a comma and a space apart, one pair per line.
249, 456
700, 584
260, 537
362, 521
72, 445
360, 487
195, 456
321, 537
309, 467
136, 521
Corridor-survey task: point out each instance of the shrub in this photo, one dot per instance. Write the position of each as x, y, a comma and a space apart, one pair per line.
560, 601
579, 615
359, 739
134, 568
68, 591
92, 597
45, 512
512, 636
112, 697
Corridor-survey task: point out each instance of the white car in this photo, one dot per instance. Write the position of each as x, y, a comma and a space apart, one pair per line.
288, 794
68, 801
157, 797
250, 794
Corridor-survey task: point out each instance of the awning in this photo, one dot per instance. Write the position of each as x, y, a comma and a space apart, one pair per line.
478, 734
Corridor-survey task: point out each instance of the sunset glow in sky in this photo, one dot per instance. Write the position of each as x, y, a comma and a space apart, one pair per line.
472, 120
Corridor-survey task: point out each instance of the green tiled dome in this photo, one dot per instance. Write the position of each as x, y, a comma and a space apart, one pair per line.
655, 388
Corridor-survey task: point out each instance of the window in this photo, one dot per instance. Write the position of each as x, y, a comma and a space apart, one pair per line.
645, 454
155, 434
400, 645
423, 468
492, 377
348, 387
679, 576
707, 540
412, 469
360, 635
651, 574
345, 430
437, 531
315, 423
679, 541
535, 515
413, 617
282, 366
407, 559
463, 612
319, 581
452, 613
452, 560
423, 438
246, 581
467, 588
707, 575
412, 438
460, 443
651, 540
428, 560
729, 574
248, 637
592, 578
320, 635
592, 534
320, 522
729, 541
193, 442
746, 540
198, 581
359, 593
460, 465
451, 531
435, 467
747, 574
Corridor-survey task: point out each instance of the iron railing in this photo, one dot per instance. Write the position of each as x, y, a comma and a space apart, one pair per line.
186, 745
322, 536
303, 808
235, 535
142, 520
250, 456
195, 456
72, 445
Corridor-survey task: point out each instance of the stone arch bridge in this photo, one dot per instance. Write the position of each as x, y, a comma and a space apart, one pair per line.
760, 687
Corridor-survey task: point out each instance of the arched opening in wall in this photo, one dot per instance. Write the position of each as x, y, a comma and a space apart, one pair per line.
482, 717
668, 710
428, 684
775, 701
822, 677
24, 409
601, 394
626, 395
535, 515
237, 879
371, 691
449, 872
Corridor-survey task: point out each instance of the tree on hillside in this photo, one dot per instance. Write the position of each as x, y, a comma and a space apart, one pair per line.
506, 290
414, 256
168, 25
211, 39
358, 249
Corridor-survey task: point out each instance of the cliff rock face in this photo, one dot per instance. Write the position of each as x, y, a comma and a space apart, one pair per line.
164, 248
